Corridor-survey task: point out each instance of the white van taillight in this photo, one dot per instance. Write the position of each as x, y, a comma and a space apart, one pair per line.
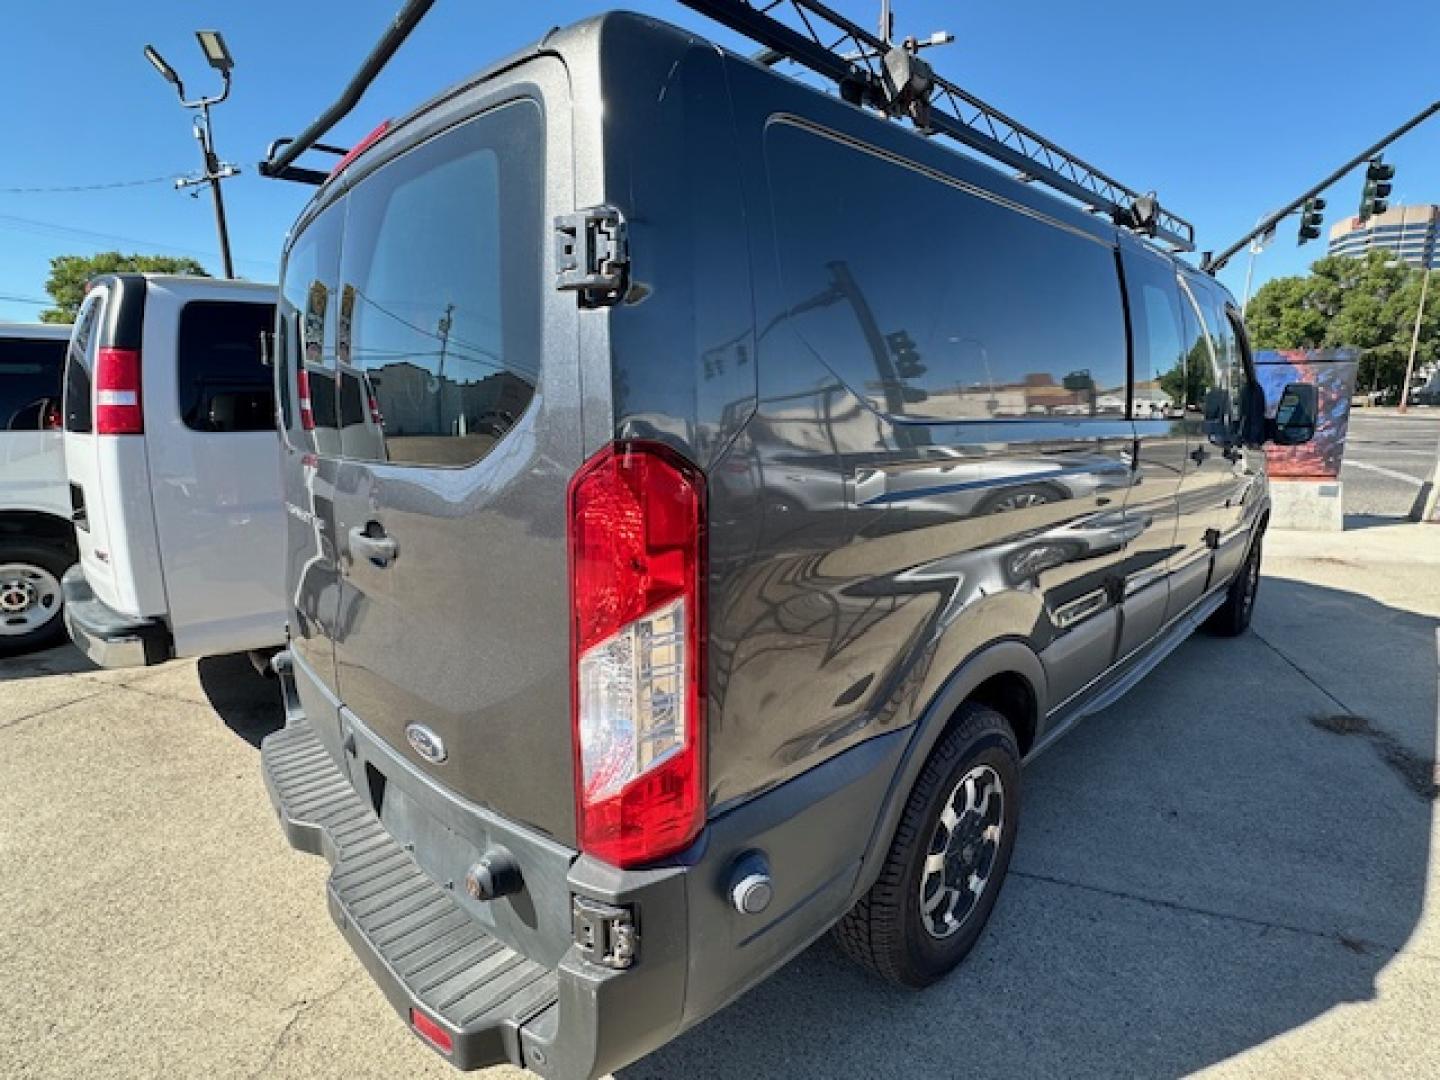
117, 392
302, 394
637, 566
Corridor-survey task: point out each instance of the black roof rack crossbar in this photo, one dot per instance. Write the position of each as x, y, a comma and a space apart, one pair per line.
280, 158
865, 69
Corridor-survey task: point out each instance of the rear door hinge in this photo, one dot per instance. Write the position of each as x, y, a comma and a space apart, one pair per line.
604, 933
592, 255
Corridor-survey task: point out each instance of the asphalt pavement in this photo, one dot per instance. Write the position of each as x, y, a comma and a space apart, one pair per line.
1228, 872
1388, 460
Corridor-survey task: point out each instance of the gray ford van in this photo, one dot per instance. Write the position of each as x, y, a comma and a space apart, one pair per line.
703, 495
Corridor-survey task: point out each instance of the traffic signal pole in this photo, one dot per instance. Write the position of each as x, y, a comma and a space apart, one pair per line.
1212, 264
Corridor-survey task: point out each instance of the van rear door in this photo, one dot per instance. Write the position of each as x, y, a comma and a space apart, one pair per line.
451, 531
214, 465
105, 457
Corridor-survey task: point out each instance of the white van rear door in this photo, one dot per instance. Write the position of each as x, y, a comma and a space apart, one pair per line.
214, 467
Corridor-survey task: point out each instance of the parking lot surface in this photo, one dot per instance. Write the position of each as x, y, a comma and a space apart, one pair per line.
1229, 871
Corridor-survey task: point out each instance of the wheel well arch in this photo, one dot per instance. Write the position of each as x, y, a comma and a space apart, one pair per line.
1010, 694
1006, 676
38, 525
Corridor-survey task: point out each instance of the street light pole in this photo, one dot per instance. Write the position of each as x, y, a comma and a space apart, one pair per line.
219, 58
215, 171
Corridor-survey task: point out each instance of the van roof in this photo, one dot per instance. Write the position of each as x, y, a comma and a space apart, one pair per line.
189, 280
34, 330
584, 37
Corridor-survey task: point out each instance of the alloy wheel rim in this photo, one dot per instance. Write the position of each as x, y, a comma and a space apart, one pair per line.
964, 846
29, 598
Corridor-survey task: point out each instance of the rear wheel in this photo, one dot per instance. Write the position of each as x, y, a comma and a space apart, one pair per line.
30, 598
948, 860
1232, 618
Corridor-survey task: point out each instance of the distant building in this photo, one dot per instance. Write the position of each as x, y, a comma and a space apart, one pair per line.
1411, 232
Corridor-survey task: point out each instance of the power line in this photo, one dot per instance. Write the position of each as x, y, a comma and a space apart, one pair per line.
49, 228
24, 300
66, 188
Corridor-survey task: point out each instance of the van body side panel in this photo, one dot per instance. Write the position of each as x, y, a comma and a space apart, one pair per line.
921, 492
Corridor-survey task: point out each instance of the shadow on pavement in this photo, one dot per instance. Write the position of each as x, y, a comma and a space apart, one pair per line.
60, 660
247, 701
1201, 868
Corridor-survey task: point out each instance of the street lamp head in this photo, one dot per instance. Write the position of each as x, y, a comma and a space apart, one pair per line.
165, 70
213, 46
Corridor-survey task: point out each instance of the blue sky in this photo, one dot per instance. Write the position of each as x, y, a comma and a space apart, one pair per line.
1226, 108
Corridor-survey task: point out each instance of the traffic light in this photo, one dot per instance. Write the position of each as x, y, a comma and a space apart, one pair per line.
907, 356
1377, 188
1311, 217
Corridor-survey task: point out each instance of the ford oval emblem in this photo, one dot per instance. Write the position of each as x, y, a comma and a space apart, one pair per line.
426, 743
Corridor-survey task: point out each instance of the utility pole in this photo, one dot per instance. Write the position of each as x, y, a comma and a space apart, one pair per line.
218, 55
1414, 342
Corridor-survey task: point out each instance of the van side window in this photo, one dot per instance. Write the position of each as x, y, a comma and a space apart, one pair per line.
79, 362
933, 302
305, 333
441, 285
30, 383
1207, 384
224, 385
1162, 338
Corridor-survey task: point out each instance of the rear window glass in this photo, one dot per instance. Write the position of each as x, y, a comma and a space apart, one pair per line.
79, 359
224, 383
31, 379
437, 346
948, 305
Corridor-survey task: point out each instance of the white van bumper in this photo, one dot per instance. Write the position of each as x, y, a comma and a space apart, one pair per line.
107, 637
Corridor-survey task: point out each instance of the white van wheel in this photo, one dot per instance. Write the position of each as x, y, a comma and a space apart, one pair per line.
30, 597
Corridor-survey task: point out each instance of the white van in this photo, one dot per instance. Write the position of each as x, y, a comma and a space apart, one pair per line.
37, 544
172, 457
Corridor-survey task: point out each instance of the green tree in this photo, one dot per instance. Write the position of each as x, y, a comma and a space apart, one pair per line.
1368, 303
70, 273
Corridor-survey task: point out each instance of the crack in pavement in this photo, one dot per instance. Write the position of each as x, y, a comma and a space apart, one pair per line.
303, 1007
47, 710
1347, 941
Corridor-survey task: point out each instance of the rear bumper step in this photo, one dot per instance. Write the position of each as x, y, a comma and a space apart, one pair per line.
424, 950
107, 637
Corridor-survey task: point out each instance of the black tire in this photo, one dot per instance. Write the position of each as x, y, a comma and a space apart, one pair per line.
1021, 497
50, 560
887, 931
1232, 618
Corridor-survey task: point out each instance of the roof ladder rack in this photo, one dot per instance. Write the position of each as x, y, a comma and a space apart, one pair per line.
895, 81
866, 69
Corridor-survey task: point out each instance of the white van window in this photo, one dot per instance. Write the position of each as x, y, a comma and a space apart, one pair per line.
224, 384
79, 362
30, 383
441, 285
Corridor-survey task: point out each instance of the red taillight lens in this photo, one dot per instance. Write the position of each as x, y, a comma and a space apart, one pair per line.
637, 565
431, 1032
302, 396
52, 420
375, 417
118, 410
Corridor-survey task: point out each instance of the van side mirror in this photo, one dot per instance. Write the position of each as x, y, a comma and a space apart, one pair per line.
1217, 413
1296, 415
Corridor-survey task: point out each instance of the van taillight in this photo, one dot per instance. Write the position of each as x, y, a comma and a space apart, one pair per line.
117, 392
637, 566
302, 395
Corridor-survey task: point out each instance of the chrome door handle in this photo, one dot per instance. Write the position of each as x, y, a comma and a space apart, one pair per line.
370, 541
